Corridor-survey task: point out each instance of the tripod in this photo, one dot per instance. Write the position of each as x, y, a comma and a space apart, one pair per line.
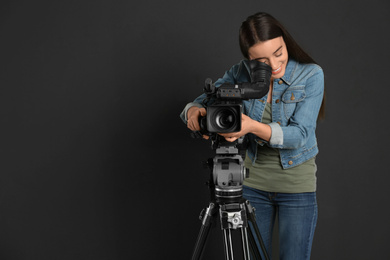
234, 212
228, 170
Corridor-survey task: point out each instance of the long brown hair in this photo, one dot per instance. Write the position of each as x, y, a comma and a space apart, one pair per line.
262, 27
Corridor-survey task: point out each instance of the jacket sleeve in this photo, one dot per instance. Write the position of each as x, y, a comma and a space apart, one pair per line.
302, 123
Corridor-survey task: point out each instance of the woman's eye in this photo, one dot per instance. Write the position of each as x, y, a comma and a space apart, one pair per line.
278, 55
263, 60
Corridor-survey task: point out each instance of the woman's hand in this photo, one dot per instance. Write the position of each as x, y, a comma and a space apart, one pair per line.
193, 115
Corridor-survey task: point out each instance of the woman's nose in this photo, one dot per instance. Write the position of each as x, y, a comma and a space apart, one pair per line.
273, 64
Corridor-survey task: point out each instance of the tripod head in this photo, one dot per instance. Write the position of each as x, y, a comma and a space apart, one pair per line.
227, 167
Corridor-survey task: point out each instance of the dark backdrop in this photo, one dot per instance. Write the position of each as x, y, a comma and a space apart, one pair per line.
95, 162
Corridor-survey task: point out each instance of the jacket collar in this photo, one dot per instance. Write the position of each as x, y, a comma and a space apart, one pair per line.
290, 70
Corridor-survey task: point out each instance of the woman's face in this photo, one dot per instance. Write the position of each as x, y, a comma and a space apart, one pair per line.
274, 53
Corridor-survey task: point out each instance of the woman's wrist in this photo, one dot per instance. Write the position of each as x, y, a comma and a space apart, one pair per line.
261, 130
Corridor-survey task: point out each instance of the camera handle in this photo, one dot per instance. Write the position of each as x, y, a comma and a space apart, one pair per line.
209, 87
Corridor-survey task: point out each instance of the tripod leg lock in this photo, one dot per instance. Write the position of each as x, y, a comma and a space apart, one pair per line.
206, 214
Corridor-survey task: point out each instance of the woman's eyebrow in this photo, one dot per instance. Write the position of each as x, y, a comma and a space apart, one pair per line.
277, 49
272, 53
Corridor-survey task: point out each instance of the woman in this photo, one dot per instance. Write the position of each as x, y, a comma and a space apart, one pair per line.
281, 132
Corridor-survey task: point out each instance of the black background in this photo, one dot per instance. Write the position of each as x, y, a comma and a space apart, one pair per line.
95, 162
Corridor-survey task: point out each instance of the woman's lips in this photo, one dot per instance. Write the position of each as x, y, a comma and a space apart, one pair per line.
277, 70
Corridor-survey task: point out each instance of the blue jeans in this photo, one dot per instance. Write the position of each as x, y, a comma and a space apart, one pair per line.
297, 220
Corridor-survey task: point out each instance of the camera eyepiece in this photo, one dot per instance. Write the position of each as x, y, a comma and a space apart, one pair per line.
260, 72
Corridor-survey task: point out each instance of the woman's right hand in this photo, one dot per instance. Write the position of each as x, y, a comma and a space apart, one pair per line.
193, 115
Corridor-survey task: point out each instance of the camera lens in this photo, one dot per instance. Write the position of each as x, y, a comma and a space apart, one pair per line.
226, 119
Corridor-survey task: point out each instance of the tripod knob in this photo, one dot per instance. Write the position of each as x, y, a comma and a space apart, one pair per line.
208, 164
201, 215
246, 172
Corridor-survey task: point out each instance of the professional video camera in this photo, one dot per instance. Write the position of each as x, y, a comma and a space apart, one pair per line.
224, 115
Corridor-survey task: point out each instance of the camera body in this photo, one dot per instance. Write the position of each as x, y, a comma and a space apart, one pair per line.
224, 115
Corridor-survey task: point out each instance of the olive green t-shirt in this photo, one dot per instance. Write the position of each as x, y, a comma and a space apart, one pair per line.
267, 173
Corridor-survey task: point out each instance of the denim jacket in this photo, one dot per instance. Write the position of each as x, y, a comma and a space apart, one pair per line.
296, 100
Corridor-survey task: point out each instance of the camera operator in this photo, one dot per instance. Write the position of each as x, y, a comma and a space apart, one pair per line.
281, 131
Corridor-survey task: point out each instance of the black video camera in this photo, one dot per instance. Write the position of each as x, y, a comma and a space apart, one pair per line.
224, 115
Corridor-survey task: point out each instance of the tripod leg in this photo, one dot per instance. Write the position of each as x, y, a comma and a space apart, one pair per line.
227, 241
204, 231
253, 247
252, 218
245, 245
